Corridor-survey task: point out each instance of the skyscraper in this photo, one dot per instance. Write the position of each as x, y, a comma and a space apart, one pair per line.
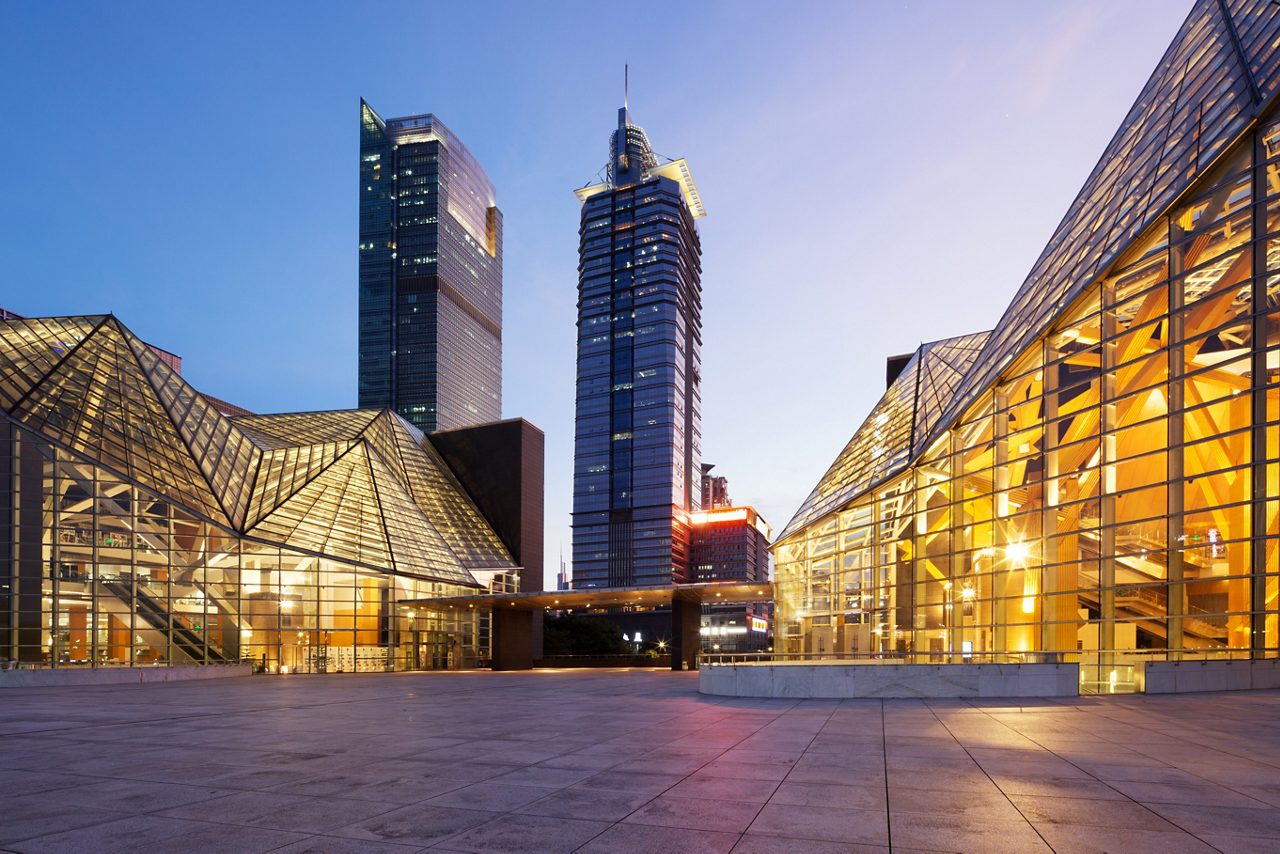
638, 426
430, 275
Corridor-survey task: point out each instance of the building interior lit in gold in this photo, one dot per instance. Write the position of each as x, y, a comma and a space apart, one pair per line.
1097, 479
142, 526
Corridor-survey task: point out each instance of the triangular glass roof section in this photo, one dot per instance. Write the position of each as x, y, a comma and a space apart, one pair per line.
416, 546
31, 348
446, 504
305, 428
380, 434
99, 402
335, 513
226, 457
284, 471
887, 440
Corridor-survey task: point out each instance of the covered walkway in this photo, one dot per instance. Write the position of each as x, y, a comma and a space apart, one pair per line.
517, 634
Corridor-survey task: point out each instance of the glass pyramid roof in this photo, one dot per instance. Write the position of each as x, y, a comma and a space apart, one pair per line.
360, 486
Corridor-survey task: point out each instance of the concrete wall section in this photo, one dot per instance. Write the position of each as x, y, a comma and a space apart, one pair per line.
847, 680
69, 676
686, 642
513, 639
501, 467
1181, 677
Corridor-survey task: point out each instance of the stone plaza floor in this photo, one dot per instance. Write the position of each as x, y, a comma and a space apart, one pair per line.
627, 761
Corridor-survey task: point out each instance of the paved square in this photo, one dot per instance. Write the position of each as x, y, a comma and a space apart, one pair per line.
628, 761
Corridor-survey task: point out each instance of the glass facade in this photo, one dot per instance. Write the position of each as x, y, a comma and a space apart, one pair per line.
638, 426
430, 276
1100, 481
138, 525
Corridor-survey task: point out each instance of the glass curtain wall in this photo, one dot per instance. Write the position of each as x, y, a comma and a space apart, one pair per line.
127, 578
1113, 496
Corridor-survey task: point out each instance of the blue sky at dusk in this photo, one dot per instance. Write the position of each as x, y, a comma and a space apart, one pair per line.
875, 175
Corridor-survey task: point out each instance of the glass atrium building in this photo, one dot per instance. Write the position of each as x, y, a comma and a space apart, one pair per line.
142, 526
637, 442
1098, 478
430, 276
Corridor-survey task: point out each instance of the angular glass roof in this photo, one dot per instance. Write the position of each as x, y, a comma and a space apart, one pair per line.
1200, 98
283, 471
894, 431
1207, 89
360, 486
305, 428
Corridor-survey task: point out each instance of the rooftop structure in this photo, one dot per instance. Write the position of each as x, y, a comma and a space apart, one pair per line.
715, 489
632, 159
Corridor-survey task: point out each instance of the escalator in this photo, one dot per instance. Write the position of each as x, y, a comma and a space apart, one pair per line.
1147, 608
1141, 594
1152, 602
156, 616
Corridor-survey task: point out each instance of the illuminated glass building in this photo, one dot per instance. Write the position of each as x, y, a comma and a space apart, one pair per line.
430, 276
638, 426
142, 526
1097, 479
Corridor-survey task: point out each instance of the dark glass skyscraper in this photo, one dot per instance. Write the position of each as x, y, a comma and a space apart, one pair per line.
430, 275
638, 429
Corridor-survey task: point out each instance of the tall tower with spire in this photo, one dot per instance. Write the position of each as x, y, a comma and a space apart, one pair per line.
637, 441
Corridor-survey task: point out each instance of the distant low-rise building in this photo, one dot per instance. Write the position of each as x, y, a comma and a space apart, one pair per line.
731, 544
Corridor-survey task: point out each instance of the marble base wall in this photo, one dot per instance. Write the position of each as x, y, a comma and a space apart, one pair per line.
1184, 677
889, 681
69, 676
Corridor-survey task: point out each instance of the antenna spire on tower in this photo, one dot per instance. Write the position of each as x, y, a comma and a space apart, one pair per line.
626, 85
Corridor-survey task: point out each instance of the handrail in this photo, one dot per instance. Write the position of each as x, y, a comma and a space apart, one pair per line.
1084, 657
640, 654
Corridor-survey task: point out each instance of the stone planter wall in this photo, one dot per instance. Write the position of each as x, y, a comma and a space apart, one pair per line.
1181, 677
66, 676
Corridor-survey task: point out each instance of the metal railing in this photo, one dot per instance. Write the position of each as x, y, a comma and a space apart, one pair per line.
1090, 657
935, 657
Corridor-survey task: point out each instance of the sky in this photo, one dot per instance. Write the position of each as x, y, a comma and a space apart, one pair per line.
876, 175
